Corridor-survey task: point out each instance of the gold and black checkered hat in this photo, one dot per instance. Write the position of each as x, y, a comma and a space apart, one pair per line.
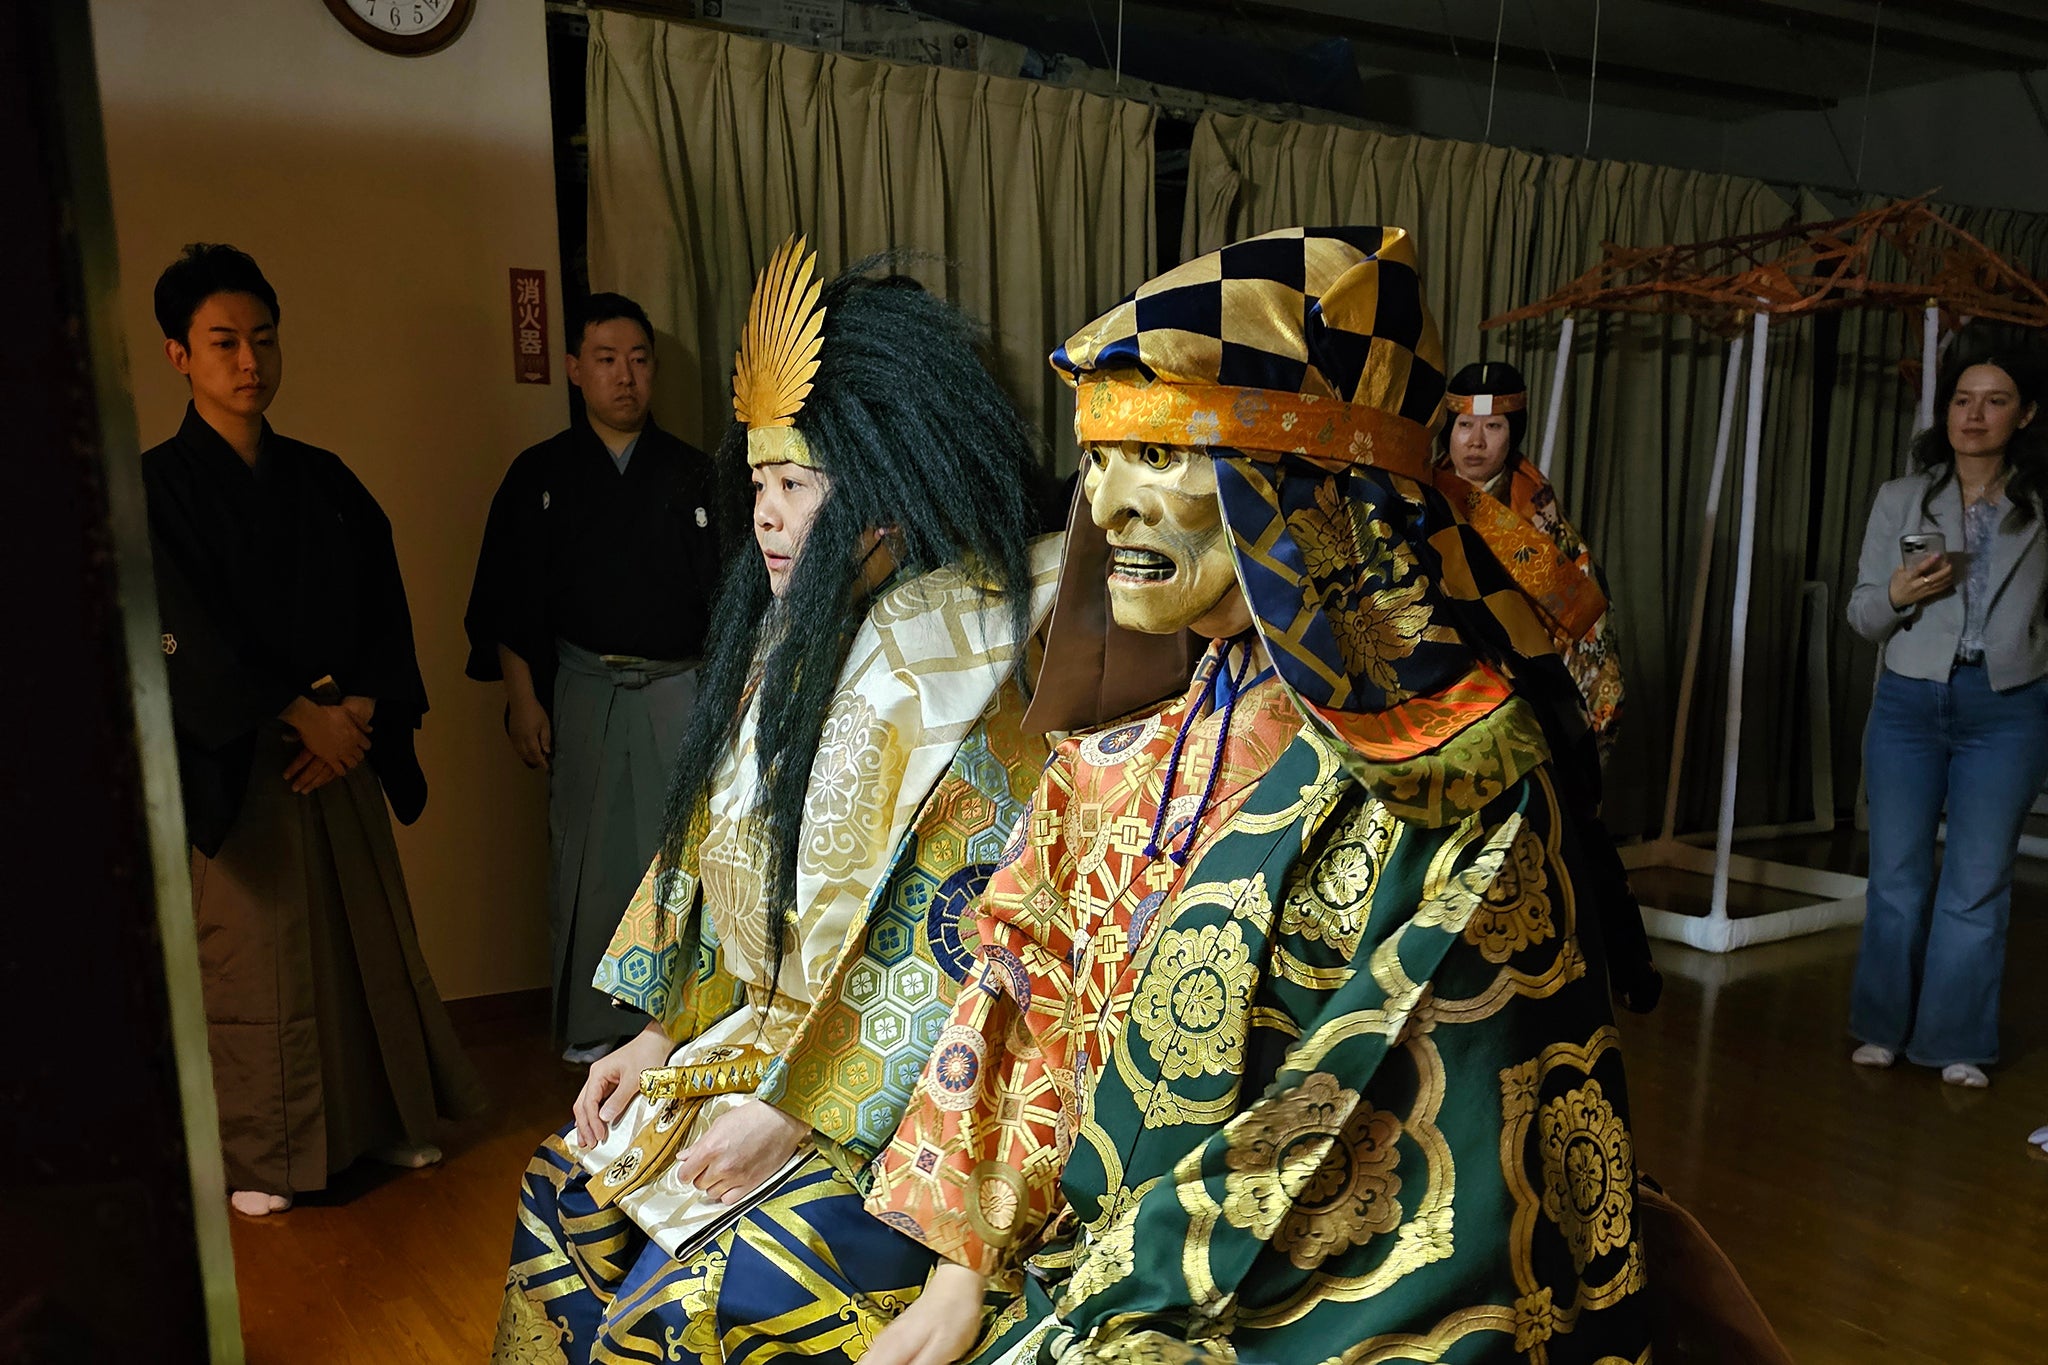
1306, 363
1309, 341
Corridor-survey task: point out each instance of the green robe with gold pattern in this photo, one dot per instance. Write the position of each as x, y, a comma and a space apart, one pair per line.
1346, 1088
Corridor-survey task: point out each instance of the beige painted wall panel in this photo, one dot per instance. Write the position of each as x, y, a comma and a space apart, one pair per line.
385, 198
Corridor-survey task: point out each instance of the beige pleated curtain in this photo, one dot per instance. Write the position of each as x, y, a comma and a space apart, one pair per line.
1498, 228
1032, 207
1029, 206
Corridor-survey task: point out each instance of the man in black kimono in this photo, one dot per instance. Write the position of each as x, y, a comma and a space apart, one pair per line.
294, 695
591, 598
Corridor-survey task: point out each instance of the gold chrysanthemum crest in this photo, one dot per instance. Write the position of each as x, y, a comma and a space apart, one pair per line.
778, 356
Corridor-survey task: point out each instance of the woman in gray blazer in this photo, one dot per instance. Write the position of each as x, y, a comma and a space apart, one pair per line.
1952, 585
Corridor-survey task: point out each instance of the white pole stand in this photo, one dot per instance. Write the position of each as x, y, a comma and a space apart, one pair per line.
1930, 352
1738, 634
1839, 899
1695, 631
1564, 360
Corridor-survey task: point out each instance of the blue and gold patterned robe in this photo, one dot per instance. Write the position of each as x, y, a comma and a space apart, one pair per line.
922, 770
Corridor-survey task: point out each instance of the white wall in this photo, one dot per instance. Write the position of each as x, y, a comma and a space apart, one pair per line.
385, 198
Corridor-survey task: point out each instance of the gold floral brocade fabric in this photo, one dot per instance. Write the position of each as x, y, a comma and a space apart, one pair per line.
1344, 1088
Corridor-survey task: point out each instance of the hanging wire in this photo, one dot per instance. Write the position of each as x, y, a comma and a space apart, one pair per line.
1493, 77
1869, 75
2033, 98
1556, 76
1096, 24
1119, 44
1456, 56
1827, 121
1592, 79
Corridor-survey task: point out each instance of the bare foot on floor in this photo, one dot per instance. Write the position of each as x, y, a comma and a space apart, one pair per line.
410, 1155
257, 1204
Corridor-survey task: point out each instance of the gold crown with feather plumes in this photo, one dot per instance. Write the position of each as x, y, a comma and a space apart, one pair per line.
778, 356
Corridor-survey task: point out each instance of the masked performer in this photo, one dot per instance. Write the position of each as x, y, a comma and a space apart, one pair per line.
853, 768
1513, 507
1286, 1039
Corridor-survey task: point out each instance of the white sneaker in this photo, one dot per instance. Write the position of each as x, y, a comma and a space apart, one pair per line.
2039, 1137
1870, 1054
584, 1056
1965, 1075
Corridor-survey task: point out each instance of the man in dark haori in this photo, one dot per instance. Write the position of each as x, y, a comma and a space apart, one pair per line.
294, 694
591, 599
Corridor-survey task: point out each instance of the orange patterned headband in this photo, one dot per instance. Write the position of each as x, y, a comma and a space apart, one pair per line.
1251, 420
1486, 404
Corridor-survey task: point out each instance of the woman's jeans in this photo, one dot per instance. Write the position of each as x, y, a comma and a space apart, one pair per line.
1933, 954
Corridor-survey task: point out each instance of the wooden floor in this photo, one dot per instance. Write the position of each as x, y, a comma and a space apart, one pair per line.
1879, 1216
392, 1267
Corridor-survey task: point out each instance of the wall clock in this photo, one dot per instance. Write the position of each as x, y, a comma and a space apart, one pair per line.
409, 28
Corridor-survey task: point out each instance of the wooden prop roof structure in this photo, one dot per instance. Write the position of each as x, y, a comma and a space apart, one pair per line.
1741, 285
1806, 268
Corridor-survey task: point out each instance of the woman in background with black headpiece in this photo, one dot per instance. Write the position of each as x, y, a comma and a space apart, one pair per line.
1507, 499
1482, 443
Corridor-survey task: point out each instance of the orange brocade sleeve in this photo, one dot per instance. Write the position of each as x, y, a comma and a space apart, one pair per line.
974, 1170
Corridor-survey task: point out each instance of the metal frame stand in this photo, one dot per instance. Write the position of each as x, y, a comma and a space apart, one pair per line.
1837, 898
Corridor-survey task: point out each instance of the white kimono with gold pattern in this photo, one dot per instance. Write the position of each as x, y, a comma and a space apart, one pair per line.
921, 773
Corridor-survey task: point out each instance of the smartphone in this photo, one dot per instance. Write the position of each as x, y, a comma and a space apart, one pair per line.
1915, 546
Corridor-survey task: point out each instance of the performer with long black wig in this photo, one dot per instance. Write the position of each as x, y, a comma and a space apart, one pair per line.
853, 769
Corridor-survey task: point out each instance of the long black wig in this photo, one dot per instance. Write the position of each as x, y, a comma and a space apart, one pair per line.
913, 434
